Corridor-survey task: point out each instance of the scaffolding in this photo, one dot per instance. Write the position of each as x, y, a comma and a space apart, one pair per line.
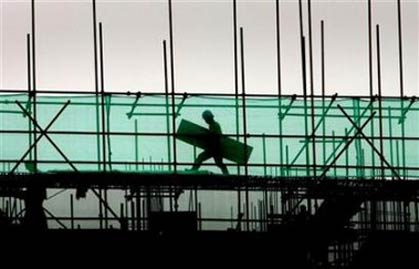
342, 166
355, 138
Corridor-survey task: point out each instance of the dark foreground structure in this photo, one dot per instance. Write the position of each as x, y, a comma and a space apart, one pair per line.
353, 224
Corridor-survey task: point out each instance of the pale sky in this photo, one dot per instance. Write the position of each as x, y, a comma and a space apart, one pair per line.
134, 31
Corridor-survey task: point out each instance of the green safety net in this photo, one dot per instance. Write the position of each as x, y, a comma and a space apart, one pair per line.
136, 134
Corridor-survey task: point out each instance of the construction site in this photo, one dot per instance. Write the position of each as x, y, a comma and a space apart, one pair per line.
329, 180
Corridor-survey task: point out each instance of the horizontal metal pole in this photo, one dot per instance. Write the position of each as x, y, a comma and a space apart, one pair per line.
293, 167
181, 93
88, 133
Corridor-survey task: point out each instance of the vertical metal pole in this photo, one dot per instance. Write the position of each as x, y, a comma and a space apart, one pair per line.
134, 217
370, 47
312, 91
236, 92
196, 198
371, 83
265, 207
363, 168
170, 198
397, 155
300, 13
264, 154
390, 138
399, 23
106, 208
166, 91
279, 78
172, 78
102, 96
358, 147
236, 72
303, 72
380, 109
347, 156
199, 217
28, 47
303, 56
123, 217
72, 211
287, 159
108, 129
96, 85
323, 90
334, 150
35, 156
416, 217
127, 209
246, 168
100, 209
403, 142
136, 144
138, 210
144, 217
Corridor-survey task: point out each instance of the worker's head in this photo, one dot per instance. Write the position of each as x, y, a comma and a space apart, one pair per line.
208, 116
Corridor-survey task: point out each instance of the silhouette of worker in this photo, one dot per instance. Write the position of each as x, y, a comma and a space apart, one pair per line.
35, 194
213, 147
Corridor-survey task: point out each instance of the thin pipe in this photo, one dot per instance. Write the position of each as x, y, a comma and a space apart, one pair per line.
201, 94
279, 80
380, 109
34, 86
400, 39
28, 48
370, 69
102, 95
312, 88
136, 145
390, 135
172, 78
166, 90
304, 79
323, 86
96, 81
246, 168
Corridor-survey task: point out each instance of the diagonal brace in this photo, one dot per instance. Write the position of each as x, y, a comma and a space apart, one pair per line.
323, 175
43, 132
370, 143
67, 160
352, 129
307, 141
39, 137
180, 106
406, 110
134, 105
282, 115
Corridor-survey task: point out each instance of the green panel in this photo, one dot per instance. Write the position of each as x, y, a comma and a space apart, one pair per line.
198, 136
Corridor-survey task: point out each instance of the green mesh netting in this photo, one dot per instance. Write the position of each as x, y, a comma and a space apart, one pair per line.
138, 134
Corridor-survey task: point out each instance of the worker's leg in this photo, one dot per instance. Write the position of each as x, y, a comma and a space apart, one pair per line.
203, 156
221, 165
